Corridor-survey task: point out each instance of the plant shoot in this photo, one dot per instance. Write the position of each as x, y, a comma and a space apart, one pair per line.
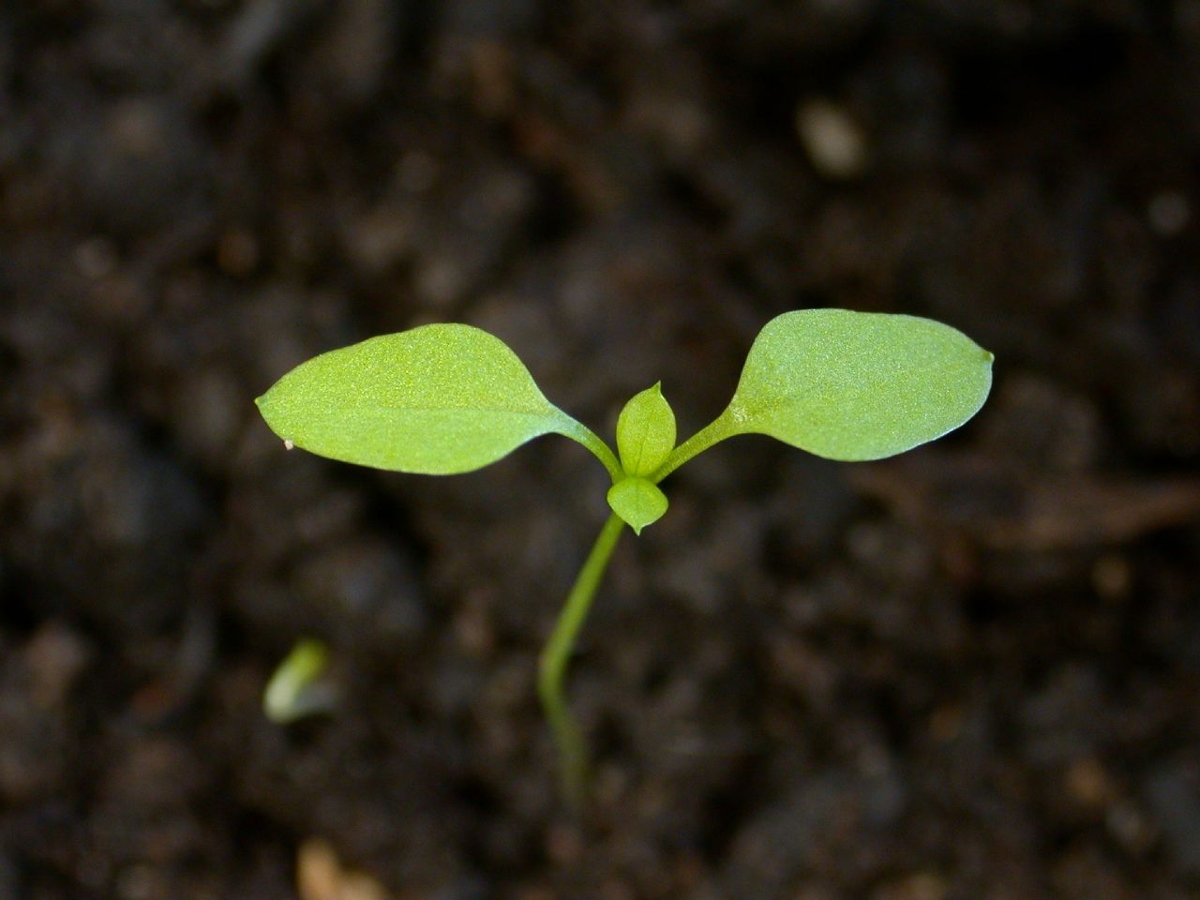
447, 398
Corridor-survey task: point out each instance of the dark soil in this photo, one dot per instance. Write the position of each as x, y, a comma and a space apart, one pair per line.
971, 672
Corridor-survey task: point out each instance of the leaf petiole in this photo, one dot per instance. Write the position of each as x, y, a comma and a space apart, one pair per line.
580, 433
715, 431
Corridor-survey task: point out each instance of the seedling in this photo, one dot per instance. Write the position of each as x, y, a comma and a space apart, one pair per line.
444, 399
296, 689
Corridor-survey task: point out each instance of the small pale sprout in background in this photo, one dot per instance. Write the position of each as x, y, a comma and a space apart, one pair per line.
296, 689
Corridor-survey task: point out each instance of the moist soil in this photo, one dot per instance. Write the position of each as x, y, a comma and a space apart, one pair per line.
969, 672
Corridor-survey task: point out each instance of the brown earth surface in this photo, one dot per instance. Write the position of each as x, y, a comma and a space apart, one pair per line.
970, 673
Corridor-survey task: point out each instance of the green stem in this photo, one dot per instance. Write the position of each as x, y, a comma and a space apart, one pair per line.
569, 741
577, 431
717, 430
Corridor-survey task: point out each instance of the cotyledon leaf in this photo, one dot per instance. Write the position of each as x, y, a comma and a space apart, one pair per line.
857, 386
439, 399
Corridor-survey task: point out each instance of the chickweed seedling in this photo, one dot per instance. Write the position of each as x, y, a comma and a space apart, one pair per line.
444, 399
296, 689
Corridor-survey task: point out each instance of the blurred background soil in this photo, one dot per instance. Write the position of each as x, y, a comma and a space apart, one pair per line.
970, 672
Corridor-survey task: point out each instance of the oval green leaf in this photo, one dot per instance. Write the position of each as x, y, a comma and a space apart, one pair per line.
438, 400
857, 386
637, 501
645, 432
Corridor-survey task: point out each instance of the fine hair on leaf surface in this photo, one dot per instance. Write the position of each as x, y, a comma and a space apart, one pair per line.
445, 399
436, 400
858, 386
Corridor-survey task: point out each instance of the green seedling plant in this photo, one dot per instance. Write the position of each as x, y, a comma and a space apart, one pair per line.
296, 688
444, 399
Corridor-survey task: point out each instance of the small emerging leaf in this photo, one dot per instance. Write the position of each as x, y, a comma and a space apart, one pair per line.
296, 689
857, 386
438, 400
645, 432
637, 501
